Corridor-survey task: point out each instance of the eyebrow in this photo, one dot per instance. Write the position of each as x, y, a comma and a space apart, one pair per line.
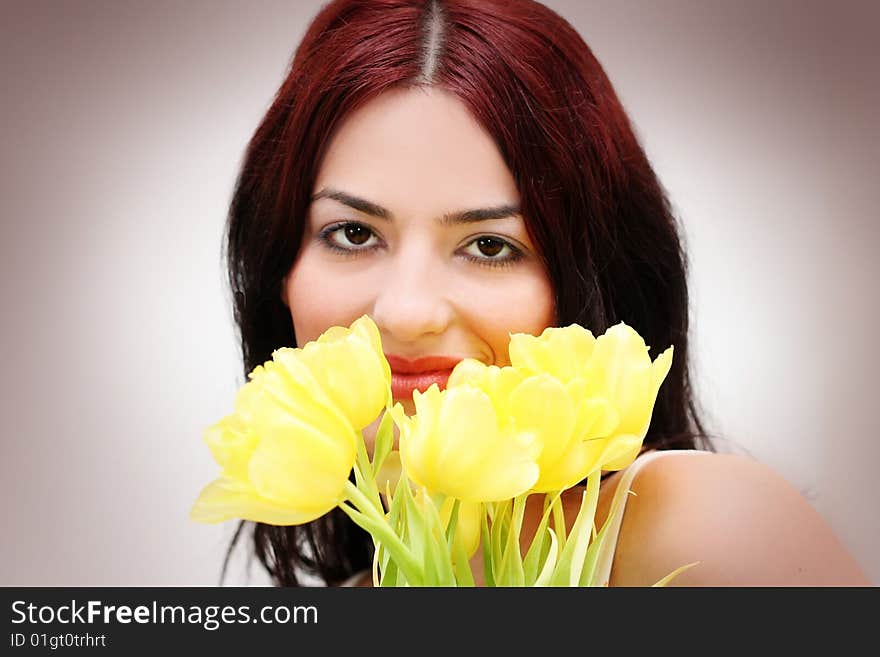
460, 217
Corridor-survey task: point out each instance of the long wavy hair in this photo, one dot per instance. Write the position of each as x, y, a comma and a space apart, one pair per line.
591, 202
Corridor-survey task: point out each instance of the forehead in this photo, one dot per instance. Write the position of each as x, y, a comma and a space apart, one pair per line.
417, 151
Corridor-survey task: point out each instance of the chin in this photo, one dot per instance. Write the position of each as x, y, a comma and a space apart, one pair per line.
408, 405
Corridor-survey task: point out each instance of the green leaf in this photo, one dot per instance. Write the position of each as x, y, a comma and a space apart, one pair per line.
675, 573
460, 562
375, 569
603, 550
583, 527
550, 562
389, 579
488, 563
384, 442
512, 573
438, 549
497, 538
538, 550
559, 521
395, 546
453, 521
589, 571
362, 467
571, 561
386, 568
395, 522
414, 533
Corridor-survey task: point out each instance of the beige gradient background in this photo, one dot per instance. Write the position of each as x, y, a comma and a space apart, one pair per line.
123, 124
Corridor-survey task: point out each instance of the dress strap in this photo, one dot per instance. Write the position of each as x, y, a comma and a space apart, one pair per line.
605, 558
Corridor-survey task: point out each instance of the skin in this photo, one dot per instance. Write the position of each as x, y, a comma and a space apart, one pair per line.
743, 522
433, 290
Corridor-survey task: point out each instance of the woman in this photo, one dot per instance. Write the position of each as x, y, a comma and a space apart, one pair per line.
459, 171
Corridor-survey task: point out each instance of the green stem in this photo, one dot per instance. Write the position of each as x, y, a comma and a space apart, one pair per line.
559, 520
362, 468
366, 516
511, 571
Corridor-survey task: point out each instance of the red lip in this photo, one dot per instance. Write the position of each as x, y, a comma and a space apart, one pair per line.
426, 364
407, 375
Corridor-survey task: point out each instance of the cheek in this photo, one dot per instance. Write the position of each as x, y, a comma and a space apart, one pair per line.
320, 297
520, 305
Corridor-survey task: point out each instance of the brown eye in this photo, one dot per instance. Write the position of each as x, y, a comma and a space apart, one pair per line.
492, 251
489, 246
349, 238
357, 234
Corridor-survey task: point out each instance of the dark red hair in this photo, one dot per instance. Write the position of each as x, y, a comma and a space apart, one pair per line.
590, 199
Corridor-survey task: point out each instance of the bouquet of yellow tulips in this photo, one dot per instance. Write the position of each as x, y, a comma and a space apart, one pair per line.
568, 407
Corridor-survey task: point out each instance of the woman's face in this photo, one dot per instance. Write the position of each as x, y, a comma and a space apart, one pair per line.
414, 222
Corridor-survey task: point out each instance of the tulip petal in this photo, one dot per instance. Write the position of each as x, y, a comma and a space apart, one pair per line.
284, 388
621, 451
620, 371
299, 467
560, 352
227, 499
541, 405
660, 367
497, 382
418, 449
455, 448
467, 371
367, 329
351, 374
231, 443
581, 459
487, 465
597, 418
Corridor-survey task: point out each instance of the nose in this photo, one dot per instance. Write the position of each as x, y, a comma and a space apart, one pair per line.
412, 302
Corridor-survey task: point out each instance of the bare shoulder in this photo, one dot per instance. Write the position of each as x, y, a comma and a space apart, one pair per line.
743, 522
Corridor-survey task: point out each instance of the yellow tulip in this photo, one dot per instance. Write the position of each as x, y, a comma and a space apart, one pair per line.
559, 352
349, 366
288, 449
497, 382
612, 385
537, 403
620, 370
454, 445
